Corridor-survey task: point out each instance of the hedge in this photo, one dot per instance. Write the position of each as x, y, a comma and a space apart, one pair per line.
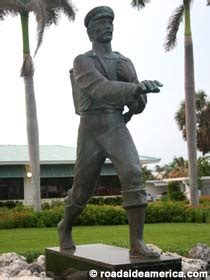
205, 200
96, 200
102, 215
10, 203
107, 200
159, 212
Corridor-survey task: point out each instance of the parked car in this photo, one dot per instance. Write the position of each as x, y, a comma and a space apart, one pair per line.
149, 197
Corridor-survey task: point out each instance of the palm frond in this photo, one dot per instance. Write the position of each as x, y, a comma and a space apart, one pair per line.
68, 9
7, 12
173, 27
9, 7
52, 16
38, 7
3, 14
200, 100
10, 4
55, 7
139, 4
46, 12
180, 119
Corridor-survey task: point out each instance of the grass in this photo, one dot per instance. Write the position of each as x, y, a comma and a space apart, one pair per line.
170, 237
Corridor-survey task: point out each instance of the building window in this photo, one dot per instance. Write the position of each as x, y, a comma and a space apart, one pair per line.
11, 188
55, 187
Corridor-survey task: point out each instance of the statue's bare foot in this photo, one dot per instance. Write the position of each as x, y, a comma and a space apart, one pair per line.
140, 249
65, 237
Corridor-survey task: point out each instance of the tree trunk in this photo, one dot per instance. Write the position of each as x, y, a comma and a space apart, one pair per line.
33, 140
27, 72
190, 110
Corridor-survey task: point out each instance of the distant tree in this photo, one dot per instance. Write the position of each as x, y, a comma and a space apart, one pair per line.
162, 171
159, 171
175, 169
202, 121
46, 12
178, 168
147, 173
204, 166
158, 168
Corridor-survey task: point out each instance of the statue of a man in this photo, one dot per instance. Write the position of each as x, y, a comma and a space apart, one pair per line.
106, 81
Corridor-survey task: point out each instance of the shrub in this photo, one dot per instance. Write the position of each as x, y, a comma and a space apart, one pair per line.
49, 218
165, 212
32, 255
174, 192
158, 212
102, 215
53, 204
106, 200
10, 204
205, 200
164, 197
96, 200
46, 205
197, 215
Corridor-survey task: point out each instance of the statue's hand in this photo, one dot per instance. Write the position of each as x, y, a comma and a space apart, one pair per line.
145, 87
152, 86
127, 116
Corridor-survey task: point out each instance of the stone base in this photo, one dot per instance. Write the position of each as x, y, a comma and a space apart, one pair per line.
101, 257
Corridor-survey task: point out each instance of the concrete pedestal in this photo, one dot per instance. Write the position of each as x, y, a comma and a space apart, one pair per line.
101, 258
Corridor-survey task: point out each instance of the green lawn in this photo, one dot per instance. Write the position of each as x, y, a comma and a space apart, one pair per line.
174, 237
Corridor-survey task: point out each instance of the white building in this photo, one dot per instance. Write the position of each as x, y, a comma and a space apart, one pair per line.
57, 171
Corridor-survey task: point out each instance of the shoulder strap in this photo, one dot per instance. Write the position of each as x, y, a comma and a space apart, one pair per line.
75, 93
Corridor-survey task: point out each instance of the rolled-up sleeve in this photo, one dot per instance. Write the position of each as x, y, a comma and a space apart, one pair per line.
93, 83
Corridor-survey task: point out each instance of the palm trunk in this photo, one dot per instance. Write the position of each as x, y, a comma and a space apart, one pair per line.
33, 140
31, 115
190, 109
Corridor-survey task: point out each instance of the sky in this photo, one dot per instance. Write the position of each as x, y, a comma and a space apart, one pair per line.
138, 35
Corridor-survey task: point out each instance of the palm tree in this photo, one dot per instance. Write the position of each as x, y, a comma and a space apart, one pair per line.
147, 173
202, 121
162, 171
159, 172
178, 168
183, 11
46, 12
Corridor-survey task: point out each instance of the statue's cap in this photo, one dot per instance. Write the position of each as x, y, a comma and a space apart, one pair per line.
98, 12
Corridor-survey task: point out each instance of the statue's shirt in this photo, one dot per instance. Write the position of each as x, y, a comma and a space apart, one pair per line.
106, 83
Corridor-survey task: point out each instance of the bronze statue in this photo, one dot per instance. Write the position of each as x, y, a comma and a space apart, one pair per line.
104, 82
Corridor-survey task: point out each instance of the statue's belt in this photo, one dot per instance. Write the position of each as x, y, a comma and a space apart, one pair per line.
102, 111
